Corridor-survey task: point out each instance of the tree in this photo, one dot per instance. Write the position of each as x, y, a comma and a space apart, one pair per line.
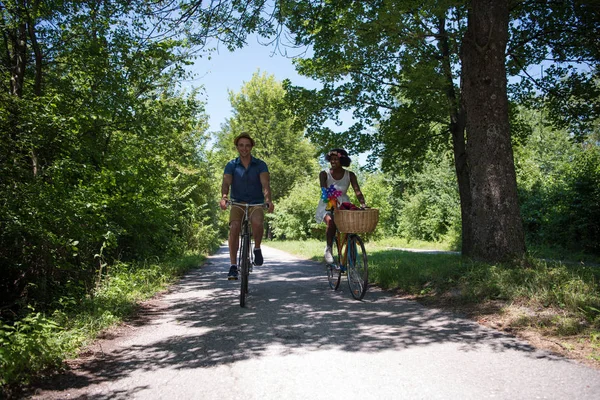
562, 37
497, 231
396, 63
258, 108
397, 67
100, 157
559, 185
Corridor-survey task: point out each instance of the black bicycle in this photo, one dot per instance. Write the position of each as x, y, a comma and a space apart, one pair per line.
245, 256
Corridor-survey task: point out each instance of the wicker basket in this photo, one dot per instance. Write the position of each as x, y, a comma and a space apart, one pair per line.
356, 221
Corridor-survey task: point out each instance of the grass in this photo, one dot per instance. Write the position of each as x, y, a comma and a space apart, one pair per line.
552, 297
39, 343
559, 254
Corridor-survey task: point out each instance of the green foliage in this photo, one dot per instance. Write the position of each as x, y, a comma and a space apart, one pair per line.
104, 161
562, 32
377, 189
382, 63
428, 204
559, 184
294, 217
258, 108
40, 342
101, 161
31, 345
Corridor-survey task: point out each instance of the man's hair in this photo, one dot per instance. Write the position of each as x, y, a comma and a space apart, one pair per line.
342, 155
243, 135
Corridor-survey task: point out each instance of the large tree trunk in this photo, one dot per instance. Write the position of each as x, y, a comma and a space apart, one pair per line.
497, 231
457, 129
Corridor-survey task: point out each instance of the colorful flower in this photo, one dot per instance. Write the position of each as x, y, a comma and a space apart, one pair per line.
330, 195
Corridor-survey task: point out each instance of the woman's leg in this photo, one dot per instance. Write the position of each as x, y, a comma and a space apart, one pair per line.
330, 232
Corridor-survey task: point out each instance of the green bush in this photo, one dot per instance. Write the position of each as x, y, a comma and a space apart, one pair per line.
559, 190
32, 345
429, 205
294, 217
40, 342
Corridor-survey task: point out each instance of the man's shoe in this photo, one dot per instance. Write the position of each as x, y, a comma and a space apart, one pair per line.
233, 273
328, 255
258, 258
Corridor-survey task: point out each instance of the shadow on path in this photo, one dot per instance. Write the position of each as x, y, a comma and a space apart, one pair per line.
290, 308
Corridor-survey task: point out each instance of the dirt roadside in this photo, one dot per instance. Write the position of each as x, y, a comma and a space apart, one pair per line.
509, 318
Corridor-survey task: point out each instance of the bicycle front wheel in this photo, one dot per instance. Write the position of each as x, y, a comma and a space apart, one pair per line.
334, 273
244, 269
358, 270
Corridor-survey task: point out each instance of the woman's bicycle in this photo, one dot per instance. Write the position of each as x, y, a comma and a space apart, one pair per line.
245, 255
349, 254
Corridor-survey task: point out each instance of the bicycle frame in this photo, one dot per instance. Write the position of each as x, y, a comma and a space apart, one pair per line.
245, 256
351, 258
342, 245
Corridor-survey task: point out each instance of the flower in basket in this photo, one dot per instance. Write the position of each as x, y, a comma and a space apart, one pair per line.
330, 196
348, 206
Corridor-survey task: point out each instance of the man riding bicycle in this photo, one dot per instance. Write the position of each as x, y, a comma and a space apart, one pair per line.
248, 178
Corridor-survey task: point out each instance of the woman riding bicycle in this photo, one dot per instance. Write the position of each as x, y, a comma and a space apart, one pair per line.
339, 179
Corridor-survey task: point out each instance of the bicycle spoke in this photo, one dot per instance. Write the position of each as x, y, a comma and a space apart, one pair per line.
358, 273
333, 270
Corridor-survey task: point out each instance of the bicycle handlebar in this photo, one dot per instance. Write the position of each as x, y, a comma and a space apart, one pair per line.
235, 203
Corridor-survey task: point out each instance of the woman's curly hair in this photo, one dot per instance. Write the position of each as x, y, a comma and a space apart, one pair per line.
342, 155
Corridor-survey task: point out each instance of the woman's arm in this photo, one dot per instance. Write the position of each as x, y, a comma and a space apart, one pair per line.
356, 187
323, 179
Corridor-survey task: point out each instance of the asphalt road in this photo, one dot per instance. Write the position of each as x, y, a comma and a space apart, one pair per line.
297, 339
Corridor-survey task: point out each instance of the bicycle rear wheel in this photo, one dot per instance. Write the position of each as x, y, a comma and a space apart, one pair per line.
334, 272
358, 270
244, 269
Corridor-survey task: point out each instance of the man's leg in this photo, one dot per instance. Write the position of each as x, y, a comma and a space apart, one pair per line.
235, 225
234, 240
257, 219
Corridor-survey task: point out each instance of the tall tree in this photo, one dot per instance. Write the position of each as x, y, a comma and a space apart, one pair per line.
397, 64
120, 170
497, 230
258, 108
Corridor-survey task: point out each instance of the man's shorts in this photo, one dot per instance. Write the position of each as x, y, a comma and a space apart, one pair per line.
236, 213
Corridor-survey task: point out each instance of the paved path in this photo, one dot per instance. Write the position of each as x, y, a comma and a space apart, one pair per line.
299, 340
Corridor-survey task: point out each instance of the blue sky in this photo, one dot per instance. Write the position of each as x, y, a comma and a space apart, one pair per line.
230, 70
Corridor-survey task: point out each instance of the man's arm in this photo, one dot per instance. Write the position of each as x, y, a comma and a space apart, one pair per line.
265, 181
227, 179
